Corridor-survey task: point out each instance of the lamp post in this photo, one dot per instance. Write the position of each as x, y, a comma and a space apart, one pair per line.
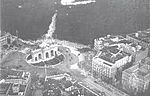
45, 69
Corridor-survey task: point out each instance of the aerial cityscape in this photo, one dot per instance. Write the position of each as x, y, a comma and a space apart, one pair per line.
111, 64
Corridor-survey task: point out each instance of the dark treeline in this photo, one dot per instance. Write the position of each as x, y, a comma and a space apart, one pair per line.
83, 22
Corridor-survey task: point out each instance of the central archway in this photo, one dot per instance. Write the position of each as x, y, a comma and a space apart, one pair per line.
48, 57
49, 63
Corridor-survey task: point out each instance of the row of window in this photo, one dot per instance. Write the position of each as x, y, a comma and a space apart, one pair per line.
102, 70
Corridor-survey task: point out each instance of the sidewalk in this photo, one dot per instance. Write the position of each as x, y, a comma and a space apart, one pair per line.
89, 82
104, 88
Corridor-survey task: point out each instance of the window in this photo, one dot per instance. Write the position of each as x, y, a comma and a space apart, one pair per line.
52, 53
40, 57
29, 57
47, 55
35, 58
55, 53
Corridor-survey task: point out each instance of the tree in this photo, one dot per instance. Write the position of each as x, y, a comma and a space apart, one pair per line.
38, 93
5, 46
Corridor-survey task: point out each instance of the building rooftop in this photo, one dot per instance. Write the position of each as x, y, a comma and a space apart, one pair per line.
21, 90
15, 75
141, 36
110, 39
142, 72
112, 54
4, 87
114, 37
12, 74
118, 41
67, 84
124, 41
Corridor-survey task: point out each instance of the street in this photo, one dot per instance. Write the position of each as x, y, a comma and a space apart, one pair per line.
70, 59
90, 83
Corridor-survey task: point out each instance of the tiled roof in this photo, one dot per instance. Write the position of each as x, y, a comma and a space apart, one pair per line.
125, 41
67, 84
112, 54
4, 87
142, 72
21, 89
11, 74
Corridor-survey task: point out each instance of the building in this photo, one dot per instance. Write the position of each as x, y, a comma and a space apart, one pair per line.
15, 82
137, 51
108, 60
62, 84
140, 37
5, 38
6, 42
17, 90
11, 89
108, 40
4, 88
43, 54
136, 78
86, 62
18, 77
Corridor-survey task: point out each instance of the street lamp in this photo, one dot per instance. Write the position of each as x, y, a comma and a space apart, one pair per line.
45, 69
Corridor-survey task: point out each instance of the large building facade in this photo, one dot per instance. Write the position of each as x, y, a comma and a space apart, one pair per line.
136, 78
108, 60
5, 38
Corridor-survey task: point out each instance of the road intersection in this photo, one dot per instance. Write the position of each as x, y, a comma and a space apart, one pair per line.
70, 59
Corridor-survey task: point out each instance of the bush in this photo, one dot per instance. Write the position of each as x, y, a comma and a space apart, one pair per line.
5, 46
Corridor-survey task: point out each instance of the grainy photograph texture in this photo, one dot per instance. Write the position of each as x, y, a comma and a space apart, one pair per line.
75, 48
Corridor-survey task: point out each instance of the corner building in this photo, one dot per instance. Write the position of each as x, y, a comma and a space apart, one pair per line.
108, 60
